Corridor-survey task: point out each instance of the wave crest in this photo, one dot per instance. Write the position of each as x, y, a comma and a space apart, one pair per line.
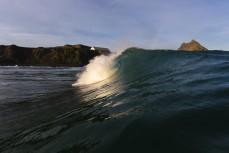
100, 68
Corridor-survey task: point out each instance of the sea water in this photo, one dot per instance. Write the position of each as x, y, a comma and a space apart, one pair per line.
136, 101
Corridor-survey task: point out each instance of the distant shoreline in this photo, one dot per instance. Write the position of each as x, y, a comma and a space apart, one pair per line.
64, 56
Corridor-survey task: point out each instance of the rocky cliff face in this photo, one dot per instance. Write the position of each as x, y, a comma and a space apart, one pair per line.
192, 46
68, 55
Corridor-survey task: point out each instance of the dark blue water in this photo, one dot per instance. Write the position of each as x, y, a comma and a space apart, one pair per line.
156, 101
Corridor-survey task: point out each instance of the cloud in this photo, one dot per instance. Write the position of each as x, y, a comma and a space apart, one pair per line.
150, 24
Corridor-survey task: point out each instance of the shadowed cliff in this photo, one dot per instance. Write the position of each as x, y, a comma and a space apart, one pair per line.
68, 55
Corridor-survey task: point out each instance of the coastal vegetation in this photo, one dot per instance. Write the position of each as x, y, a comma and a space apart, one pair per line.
67, 55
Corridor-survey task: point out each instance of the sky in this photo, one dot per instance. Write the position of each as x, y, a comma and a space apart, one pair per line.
115, 24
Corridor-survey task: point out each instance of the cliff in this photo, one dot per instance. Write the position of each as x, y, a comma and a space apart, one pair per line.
68, 55
192, 46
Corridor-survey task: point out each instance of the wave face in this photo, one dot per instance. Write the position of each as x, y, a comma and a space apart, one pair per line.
166, 101
141, 101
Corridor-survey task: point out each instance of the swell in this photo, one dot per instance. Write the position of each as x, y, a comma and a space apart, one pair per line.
164, 79
139, 63
165, 96
135, 63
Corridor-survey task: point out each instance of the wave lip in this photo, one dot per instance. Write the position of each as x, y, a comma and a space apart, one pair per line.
100, 68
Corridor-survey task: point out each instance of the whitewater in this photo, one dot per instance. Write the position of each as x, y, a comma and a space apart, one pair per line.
99, 69
137, 100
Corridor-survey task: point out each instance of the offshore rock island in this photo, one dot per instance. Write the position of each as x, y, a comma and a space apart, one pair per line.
67, 55
192, 46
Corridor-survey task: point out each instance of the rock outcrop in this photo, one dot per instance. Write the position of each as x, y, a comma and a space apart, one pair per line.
192, 46
68, 55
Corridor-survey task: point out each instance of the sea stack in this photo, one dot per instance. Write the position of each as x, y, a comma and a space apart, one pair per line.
192, 46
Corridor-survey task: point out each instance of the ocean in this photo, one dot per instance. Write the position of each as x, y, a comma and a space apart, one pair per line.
149, 101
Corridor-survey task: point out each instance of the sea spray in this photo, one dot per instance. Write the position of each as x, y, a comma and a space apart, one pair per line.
100, 68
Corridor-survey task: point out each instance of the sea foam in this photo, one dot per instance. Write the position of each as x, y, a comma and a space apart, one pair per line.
100, 68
